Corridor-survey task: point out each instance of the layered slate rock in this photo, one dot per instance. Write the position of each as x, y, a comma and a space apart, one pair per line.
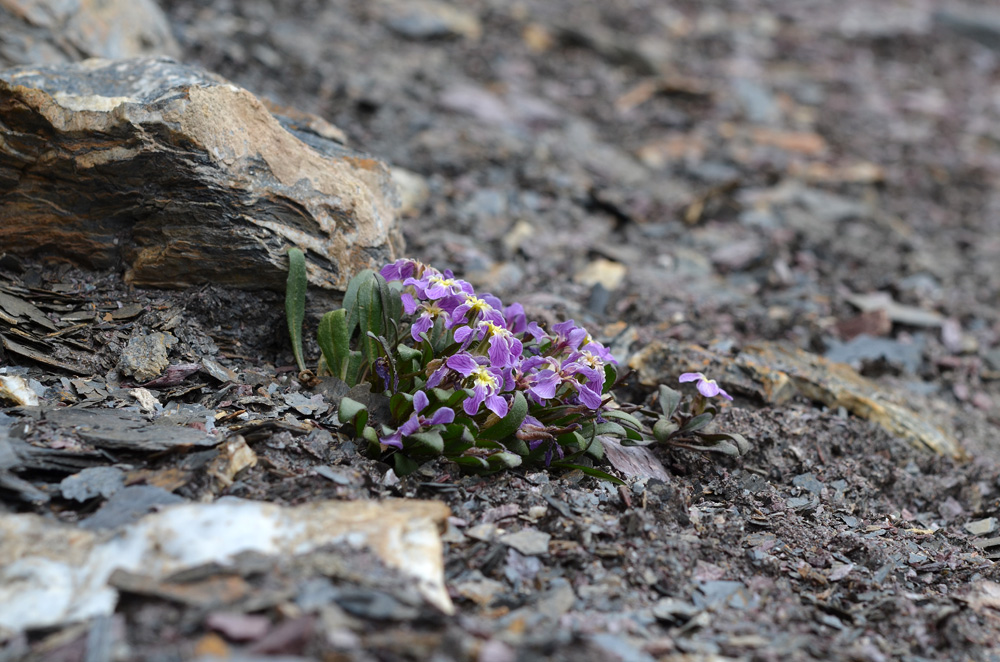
51, 31
182, 178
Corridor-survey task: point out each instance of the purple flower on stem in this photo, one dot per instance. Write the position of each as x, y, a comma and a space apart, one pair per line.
429, 311
504, 347
442, 416
487, 383
436, 285
484, 308
568, 334
707, 387
517, 322
401, 269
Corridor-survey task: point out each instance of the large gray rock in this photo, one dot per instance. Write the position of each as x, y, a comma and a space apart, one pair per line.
52, 31
182, 177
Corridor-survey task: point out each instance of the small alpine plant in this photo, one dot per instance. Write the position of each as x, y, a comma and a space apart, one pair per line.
474, 380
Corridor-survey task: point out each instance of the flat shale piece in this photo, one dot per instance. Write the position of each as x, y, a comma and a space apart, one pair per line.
182, 176
121, 430
775, 373
54, 573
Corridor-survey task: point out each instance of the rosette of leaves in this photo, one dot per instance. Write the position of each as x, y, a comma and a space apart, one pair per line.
685, 427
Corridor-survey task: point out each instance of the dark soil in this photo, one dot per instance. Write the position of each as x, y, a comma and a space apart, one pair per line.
753, 165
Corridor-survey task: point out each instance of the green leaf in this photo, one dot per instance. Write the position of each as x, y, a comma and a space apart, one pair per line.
596, 449
369, 435
472, 462
351, 301
669, 399
425, 443
400, 405
624, 418
295, 301
509, 424
590, 471
664, 428
697, 423
352, 411
504, 460
610, 377
737, 440
334, 342
404, 466
407, 353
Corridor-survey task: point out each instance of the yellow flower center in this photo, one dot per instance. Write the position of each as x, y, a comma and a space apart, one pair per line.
482, 377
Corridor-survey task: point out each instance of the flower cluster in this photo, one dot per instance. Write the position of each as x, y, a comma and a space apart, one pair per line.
495, 351
455, 374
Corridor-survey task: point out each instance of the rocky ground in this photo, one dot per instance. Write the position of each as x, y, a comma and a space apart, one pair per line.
725, 174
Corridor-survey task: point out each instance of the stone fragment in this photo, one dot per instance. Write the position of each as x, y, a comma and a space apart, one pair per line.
145, 357
530, 542
54, 31
92, 482
54, 573
607, 273
183, 177
428, 19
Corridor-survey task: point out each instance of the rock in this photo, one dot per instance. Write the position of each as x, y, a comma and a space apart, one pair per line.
775, 373
182, 176
145, 357
54, 31
427, 19
54, 573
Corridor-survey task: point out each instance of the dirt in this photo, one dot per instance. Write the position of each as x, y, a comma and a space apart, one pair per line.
752, 165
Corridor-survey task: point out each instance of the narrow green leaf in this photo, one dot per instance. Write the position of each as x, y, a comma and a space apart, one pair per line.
509, 424
669, 399
351, 300
624, 418
590, 471
472, 462
697, 423
739, 441
610, 377
334, 341
295, 301
596, 449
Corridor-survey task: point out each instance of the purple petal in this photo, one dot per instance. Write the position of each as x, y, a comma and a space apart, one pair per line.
471, 405
497, 405
442, 416
589, 397
463, 363
420, 401
544, 385
409, 303
690, 377
462, 332
395, 440
422, 325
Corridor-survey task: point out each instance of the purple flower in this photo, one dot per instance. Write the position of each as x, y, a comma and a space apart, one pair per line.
707, 387
429, 311
435, 285
568, 334
504, 347
401, 269
517, 322
442, 416
484, 308
487, 383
